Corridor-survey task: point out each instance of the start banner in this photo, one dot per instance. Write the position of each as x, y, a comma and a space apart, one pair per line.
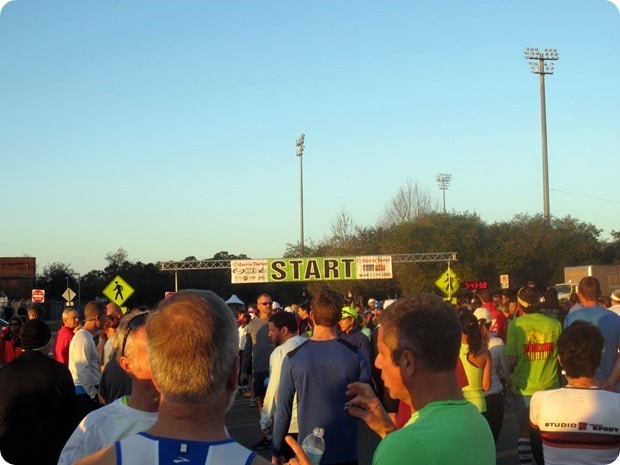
277, 270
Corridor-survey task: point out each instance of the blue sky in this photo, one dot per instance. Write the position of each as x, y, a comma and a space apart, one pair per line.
168, 128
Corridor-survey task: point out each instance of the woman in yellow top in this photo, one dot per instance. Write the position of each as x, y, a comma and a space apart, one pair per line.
476, 360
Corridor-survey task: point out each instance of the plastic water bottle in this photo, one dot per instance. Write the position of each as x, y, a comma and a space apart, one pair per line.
314, 445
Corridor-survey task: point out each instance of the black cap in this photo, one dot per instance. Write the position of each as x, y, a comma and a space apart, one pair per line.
35, 334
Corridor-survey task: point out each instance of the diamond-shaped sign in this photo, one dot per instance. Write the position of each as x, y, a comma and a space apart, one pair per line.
68, 295
118, 290
448, 282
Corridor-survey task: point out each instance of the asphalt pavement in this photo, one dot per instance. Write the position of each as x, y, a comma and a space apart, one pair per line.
242, 424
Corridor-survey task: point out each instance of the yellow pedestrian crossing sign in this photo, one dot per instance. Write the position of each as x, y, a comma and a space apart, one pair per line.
448, 282
118, 290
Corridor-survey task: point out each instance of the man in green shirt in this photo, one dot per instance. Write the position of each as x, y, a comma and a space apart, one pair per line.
418, 348
531, 347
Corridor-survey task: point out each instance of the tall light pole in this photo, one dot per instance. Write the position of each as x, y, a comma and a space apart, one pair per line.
300, 153
443, 180
539, 65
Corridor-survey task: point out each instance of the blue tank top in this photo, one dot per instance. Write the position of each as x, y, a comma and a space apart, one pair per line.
145, 449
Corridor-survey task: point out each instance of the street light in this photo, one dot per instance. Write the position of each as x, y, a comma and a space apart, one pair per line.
539, 65
300, 153
443, 180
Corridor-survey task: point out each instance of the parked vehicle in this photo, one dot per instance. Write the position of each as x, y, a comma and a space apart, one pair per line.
608, 276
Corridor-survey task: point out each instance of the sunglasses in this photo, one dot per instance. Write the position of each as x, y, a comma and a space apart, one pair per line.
266, 303
13, 324
134, 323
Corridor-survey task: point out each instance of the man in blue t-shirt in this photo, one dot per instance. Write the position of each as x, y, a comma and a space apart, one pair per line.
318, 371
589, 291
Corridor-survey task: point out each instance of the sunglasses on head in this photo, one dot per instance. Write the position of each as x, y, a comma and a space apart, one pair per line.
134, 323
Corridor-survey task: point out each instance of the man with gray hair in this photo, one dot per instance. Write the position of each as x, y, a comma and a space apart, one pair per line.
70, 323
129, 414
197, 383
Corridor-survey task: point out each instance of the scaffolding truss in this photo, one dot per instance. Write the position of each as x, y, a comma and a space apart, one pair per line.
223, 264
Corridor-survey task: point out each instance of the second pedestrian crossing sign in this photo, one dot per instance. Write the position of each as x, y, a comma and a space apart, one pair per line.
118, 290
448, 283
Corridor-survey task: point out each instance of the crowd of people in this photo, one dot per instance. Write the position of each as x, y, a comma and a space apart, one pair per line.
431, 379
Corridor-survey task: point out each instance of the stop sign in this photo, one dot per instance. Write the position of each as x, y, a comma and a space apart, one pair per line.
38, 296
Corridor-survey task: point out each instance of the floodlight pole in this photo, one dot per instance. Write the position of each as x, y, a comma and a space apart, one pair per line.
443, 180
539, 66
300, 153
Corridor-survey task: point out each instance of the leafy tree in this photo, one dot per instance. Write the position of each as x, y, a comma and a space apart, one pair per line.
464, 233
531, 248
53, 279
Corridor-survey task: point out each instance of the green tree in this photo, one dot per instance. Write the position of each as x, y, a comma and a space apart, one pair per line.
53, 279
464, 233
531, 248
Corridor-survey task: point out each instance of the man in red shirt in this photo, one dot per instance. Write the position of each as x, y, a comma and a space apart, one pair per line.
499, 325
70, 322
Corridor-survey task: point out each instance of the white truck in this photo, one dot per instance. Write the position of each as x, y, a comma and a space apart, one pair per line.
608, 276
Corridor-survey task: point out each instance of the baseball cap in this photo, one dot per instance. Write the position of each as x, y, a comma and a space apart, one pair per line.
388, 302
615, 295
483, 314
371, 302
348, 312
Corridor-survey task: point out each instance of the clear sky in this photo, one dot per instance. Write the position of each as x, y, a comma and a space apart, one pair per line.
169, 128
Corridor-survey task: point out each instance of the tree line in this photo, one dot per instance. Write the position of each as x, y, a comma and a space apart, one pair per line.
526, 247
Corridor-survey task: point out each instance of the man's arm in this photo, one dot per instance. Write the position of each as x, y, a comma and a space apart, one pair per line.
610, 383
247, 355
367, 406
282, 420
269, 403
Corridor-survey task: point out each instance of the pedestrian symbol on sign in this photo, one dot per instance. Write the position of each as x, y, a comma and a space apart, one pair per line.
119, 291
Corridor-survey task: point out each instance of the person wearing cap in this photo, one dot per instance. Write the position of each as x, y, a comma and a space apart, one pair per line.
500, 370
36, 401
500, 324
129, 414
351, 331
532, 350
615, 301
